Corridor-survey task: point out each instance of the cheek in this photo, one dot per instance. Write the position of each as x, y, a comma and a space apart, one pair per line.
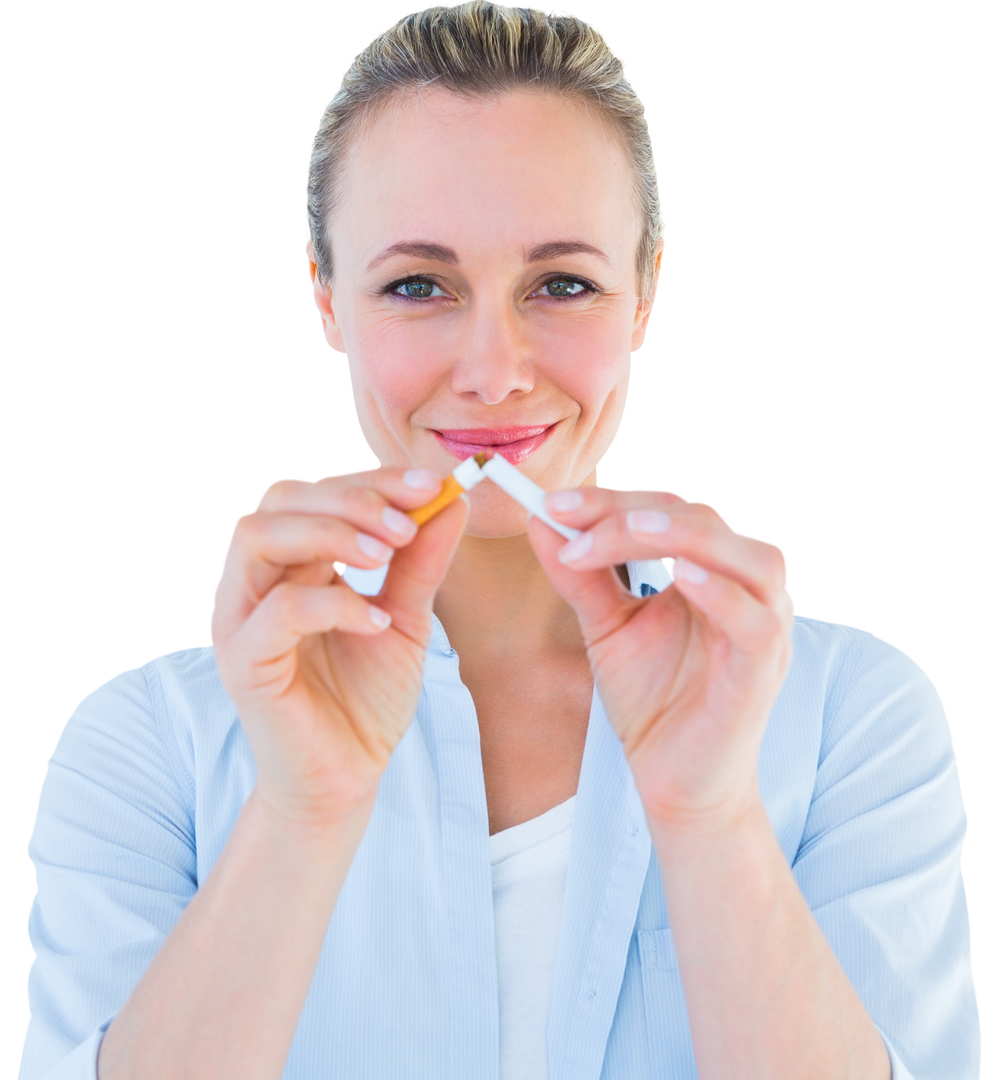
395, 365
588, 358
589, 361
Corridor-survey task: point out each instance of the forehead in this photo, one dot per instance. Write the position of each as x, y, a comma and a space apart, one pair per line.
501, 172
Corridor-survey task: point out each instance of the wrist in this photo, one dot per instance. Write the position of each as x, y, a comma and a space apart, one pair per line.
704, 853
700, 822
310, 821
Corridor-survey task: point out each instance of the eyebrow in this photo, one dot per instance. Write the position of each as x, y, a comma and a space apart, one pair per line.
417, 248
554, 248
422, 249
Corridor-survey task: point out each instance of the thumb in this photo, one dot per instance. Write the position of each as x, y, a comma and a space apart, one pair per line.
599, 599
417, 570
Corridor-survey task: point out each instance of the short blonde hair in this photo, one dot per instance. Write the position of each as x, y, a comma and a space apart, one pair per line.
483, 49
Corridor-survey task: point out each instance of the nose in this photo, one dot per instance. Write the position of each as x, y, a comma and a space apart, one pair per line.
494, 358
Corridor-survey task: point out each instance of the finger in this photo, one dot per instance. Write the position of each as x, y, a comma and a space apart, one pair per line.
290, 612
281, 540
264, 545
584, 507
753, 628
316, 573
686, 530
342, 496
417, 570
363, 507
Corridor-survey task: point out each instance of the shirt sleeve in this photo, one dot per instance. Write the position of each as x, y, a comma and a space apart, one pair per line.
114, 852
879, 863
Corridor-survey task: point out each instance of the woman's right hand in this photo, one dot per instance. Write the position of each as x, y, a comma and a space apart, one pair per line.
326, 681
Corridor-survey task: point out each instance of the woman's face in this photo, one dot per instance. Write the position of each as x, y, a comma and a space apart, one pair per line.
485, 289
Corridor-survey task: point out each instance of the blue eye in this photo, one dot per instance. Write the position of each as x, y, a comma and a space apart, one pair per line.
417, 289
563, 287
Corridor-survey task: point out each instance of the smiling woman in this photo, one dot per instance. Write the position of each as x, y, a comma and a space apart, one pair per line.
494, 804
524, 309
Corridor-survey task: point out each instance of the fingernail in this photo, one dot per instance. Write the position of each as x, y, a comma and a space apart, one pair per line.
688, 571
564, 501
576, 549
380, 618
399, 523
647, 521
420, 479
373, 547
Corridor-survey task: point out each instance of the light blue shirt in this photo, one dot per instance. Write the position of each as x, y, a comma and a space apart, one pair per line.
857, 775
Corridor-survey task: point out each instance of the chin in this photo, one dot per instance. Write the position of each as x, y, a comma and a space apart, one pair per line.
494, 515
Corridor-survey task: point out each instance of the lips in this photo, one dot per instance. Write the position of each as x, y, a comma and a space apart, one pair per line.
515, 443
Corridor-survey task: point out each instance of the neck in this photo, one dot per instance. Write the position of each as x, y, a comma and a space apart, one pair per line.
497, 600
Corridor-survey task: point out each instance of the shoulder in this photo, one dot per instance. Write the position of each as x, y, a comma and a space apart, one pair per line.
119, 837
878, 856
157, 722
883, 758
865, 685
856, 724
182, 686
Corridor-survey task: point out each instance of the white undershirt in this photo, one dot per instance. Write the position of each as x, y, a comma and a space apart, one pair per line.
529, 867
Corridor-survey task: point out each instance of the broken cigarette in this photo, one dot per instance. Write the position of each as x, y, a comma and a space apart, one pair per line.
464, 478
504, 475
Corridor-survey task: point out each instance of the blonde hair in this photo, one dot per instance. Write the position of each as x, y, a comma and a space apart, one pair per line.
483, 49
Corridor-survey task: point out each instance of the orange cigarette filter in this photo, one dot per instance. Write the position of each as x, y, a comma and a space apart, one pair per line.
464, 477
449, 492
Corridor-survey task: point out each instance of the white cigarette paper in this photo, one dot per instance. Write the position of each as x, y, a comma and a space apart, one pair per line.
525, 491
503, 475
468, 473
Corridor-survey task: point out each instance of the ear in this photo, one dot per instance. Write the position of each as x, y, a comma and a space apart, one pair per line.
644, 308
323, 295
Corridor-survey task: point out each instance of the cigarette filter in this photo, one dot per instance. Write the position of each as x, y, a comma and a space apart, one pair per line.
464, 478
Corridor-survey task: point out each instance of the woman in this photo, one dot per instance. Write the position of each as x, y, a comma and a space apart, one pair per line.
496, 804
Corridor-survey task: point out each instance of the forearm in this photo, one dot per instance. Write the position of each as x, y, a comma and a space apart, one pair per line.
223, 996
765, 993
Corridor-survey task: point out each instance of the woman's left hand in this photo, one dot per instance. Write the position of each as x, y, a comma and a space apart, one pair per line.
688, 676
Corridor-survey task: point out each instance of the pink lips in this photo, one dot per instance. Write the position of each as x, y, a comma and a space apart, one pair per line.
516, 443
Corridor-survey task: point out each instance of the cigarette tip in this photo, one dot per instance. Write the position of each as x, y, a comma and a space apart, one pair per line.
480, 458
